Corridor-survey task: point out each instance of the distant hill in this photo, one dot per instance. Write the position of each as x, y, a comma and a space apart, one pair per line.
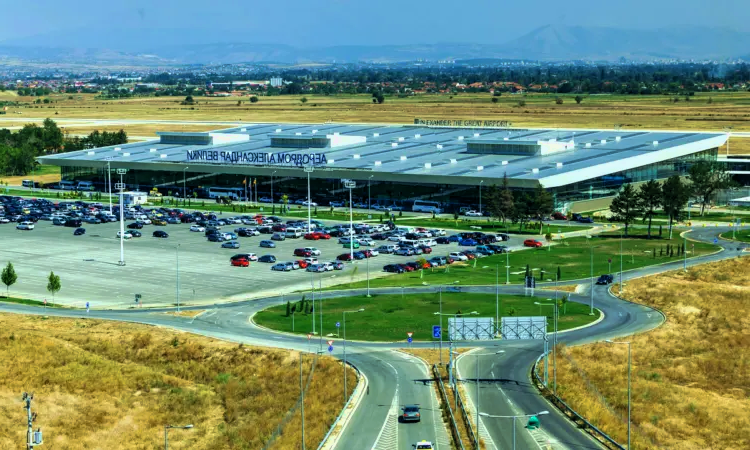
547, 43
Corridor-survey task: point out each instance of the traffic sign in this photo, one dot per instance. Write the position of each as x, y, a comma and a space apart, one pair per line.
330, 343
309, 336
338, 324
716, 241
436, 332
408, 339
409, 333
609, 260
330, 349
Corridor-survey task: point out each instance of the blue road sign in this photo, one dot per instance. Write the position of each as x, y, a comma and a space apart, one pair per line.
436, 331
338, 324
408, 339
330, 349
716, 241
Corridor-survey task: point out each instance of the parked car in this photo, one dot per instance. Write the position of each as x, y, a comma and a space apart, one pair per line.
160, 234
316, 268
240, 262
559, 216
586, 220
344, 257
197, 228
605, 279
499, 248
79, 232
267, 244
442, 240
135, 233
337, 265
503, 236
135, 225
473, 213
125, 235
393, 268
284, 267
267, 259
231, 244
467, 242
458, 256
532, 243
313, 251
278, 237
302, 252
216, 237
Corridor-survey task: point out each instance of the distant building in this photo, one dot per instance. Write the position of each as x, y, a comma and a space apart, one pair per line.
277, 82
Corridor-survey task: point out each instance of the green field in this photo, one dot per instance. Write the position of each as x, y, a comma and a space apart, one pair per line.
492, 226
24, 301
740, 235
390, 317
573, 256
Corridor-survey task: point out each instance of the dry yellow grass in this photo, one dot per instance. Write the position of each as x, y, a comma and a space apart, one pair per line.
691, 377
737, 146
101, 384
191, 313
567, 288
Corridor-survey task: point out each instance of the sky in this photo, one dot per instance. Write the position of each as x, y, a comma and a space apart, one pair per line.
305, 23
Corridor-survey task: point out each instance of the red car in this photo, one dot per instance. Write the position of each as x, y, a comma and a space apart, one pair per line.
532, 243
344, 257
426, 250
559, 216
322, 235
240, 263
302, 264
407, 268
278, 227
302, 252
312, 236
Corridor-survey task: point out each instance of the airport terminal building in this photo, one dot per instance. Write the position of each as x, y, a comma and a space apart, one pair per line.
395, 163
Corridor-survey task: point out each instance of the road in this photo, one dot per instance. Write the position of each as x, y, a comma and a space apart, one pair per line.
396, 379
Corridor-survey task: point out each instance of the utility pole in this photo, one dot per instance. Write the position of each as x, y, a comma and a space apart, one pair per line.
121, 187
32, 437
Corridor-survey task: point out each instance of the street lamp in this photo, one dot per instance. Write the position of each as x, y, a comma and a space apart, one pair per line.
629, 390
480, 197
476, 365
591, 247
620, 262
521, 416
308, 171
177, 271
344, 313
121, 187
272, 208
555, 315
167, 427
368, 191
184, 185
109, 183
350, 184
451, 376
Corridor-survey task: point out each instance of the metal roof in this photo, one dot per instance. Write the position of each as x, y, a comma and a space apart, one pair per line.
418, 153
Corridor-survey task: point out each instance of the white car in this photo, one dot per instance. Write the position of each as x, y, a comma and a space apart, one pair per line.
145, 220
313, 251
374, 252
346, 240
396, 238
365, 241
423, 445
458, 256
125, 235
247, 221
252, 257
233, 220
252, 231
265, 200
473, 213
327, 266
336, 204
306, 203
435, 232
311, 260
197, 228
360, 205
4, 220
25, 226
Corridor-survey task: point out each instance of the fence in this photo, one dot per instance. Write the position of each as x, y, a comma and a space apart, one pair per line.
473, 435
446, 405
341, 414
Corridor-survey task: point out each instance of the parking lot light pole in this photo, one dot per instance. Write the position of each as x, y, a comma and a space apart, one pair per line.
308, 171
591, 247
620, 262
480, 197
507, 266
368, 276
184, 185
344, 324
520, 416
350, 184
555, 314
167, 427
109, 183
121, 187
272, 209
629, 389
476, 365
177, 270
369, 205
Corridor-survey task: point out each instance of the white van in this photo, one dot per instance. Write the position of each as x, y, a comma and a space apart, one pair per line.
294, 233
426, 206
405, 229
66, 185
85, 186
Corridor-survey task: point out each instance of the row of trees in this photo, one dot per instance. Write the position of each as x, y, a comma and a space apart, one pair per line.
704, 179
9, 278
518, 206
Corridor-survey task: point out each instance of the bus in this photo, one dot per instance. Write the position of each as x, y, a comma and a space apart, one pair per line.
29, 184
426, 206
231, 193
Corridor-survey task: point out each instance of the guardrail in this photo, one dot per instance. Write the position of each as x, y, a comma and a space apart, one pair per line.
446, 405
474, 437
343, 410
570, 412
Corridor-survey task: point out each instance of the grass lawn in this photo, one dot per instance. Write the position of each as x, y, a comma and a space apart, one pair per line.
492, 226
390, 317
573, 256
24, 301
740, 235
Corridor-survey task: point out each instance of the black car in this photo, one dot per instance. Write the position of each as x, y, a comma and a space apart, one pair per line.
160, 234
79, 232
267, 259
135, 233
503, 236
442, 240
586, 220
215, 237
605, 279
135, 226
393, 268
73, 223
498, 248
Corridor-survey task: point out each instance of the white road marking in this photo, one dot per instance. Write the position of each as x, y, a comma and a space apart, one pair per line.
388, 437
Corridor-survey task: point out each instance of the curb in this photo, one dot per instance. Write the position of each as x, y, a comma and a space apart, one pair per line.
338, 427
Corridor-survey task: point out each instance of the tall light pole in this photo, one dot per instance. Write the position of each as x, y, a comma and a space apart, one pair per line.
507, 266
344, 313
451, 373
272, 199
184, 185
591, 247
620, 262
177, 270
109, 183
480, 197
167, 427
497, 297
367, 260
476, 366
302, 399
555, 315
368, 192
121, 187
684, 253
350, 184
308, 171
520, 416
629, 390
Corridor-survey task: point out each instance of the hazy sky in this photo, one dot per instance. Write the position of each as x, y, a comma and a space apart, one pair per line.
305, 23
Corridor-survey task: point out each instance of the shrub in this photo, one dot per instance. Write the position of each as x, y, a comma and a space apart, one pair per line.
558, 100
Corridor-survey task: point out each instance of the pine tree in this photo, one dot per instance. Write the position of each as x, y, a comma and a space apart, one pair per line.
9, 277
528, 271
288, 308
559, 276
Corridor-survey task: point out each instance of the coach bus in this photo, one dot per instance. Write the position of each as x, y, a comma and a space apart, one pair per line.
426, 206
231, 193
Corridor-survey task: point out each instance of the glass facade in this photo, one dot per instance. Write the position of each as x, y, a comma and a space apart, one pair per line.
609, 185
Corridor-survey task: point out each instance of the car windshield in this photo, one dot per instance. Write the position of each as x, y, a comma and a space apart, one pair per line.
411, 409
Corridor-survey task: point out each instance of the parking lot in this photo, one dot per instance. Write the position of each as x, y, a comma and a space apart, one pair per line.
89, 271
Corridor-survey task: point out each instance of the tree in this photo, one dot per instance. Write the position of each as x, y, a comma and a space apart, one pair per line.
188, 100
494, 99
541, 205
578, 99
288, 308
626, 206
559, 275
303, 100
53, 284
675, 195
650, 199
253, 99
706, 178
505, 203
52, 136
558, 100
8, 277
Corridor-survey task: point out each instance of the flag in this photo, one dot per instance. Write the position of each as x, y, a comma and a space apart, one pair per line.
244, 181
255, 181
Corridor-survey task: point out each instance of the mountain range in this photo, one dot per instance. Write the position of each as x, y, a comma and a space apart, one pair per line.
547, 43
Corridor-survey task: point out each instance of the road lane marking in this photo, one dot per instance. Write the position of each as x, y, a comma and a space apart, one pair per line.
388, 436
